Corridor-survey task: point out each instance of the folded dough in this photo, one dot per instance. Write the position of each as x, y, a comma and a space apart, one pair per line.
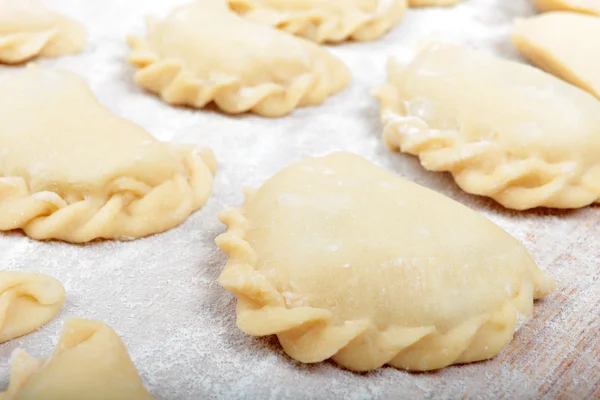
77, 172
581, 6
432, 3
504, 130
322, 21
204, 52
343, 259
28, 29
27, 301
564, 44
90, 363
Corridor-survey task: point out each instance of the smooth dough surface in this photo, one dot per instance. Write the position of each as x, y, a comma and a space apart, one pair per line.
341, 258
27, 301
28, 29
432, 3
203, 52
90, 363
503, 129
581, 6
564, 44
72, 170
322, 21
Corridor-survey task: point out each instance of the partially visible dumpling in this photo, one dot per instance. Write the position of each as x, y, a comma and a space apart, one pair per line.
581, 6
325, 21
28, 29
564, 44
64, 178
90, 363
27, 301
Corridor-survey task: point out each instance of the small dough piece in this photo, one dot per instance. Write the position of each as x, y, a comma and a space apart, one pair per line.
74, 171
503, 129
340, 258
564, 44
90, 363
580, 6
204, 52
28, 29
27, 302
321, 21
432, 3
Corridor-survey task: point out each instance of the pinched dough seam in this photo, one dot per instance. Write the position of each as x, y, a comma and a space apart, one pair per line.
23, 367
132, 208
22, 46
308, 333
177, 85
46, 291
323, 25
514, 182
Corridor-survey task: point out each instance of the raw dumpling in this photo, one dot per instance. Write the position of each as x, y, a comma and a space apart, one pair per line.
503, 129
204, 52
432, 3
72, 170
325, 20
564, 44
340, 258
90, 363
581, 6
28, 29
27, 301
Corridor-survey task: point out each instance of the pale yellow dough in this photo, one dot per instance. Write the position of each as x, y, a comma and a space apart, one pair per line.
503, 129
27, 301
432, 3
28, 29
203, 52
564, 44
90, 363
340, 258
581, 6
322, 21
72, 170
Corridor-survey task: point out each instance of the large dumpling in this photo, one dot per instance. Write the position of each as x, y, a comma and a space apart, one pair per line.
340, 258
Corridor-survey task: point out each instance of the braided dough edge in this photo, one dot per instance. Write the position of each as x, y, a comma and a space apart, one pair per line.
324, 26
132, 209
308, 335
177, 85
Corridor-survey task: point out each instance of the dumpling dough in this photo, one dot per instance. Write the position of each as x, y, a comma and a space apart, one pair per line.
343, 259
204, 52
432, 3
72, 170
28, 29
331, 21
503, 129
90, 363
564, 44
581, 6
27, 301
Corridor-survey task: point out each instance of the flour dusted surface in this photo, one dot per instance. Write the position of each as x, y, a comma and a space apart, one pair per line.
160, 293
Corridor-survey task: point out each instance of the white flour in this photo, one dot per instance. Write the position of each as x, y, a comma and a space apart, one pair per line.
161, 295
